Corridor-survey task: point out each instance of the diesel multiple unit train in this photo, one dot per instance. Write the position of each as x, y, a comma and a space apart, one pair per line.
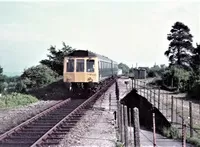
84, 69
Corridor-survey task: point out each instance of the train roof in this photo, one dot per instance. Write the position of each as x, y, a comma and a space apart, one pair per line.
86, 53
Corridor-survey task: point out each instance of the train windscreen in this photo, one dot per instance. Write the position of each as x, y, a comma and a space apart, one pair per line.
70, 65
90, 65
79, 65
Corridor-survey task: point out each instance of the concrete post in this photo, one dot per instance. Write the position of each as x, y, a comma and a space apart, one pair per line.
172, 109
159, 98
191, 120
154, 128
184, 135
136, 128
109, 101
122, 125
126, 125
130, 124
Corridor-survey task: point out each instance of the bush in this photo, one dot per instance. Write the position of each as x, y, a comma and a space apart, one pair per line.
194, 141
194, 92
151, 74
36, 77
16, 99
171, 132
176, 77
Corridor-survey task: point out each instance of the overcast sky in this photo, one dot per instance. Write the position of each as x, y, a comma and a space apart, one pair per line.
126, 32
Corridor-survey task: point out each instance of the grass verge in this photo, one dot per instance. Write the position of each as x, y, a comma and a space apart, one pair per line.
119, 144
16, 99
174, 133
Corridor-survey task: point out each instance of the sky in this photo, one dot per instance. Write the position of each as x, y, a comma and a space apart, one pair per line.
125, 31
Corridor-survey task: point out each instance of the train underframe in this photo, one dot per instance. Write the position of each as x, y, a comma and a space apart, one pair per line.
86, 88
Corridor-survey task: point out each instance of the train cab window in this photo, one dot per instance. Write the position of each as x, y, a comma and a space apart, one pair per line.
90, 65
70, 65
79, 65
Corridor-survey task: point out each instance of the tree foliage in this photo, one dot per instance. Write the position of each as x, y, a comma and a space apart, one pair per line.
195, 61
176, 77
156, 70
124, 68
56, 58
2, 85
1, 70
36, 77
180, 45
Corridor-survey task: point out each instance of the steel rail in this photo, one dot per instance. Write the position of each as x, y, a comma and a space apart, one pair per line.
79, 108
13, 130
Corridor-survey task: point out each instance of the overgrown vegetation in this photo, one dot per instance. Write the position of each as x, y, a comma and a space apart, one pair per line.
119, 144
16, 99
14, 90
171, 133
174, 133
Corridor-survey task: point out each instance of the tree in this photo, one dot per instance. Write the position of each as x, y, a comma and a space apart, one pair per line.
180, 45
195, 61
3, 84
56, 57
124, 68
36, 77
1, 70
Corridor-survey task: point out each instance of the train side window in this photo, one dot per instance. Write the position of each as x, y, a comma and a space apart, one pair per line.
90, 65
79, 65
70, 65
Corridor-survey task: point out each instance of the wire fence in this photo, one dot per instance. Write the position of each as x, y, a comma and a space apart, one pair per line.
180, 112
175, 107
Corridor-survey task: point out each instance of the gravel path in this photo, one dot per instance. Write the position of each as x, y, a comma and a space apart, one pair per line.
12, 117
96, 127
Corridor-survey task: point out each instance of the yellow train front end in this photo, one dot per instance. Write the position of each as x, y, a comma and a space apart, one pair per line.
79, 72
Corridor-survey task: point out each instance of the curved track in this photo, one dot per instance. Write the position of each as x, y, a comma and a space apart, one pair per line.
49, 127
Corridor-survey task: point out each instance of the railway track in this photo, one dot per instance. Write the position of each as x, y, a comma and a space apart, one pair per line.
50, 126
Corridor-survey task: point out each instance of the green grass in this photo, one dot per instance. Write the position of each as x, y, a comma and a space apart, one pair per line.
16, 99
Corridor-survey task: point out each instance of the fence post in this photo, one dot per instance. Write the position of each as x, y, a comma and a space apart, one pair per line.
144, 89
154, 128
137, 84
136, 126
172, 108
126, 125
122, 124
109, 101
134, 83
159, 98
182, 112
119, 120
155, 97
183, 135
166, 105
130, 124
176, 110
117, 90
199, 108
150, 96
191, 119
